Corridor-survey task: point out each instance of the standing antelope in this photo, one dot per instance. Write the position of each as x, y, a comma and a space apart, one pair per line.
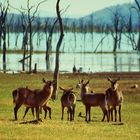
91, 99
68, 100
114, 98
32, 98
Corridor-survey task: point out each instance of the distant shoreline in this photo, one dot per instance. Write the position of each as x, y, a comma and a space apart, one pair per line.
130, 75
43, 52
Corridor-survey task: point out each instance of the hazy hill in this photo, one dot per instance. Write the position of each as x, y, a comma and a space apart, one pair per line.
103, 16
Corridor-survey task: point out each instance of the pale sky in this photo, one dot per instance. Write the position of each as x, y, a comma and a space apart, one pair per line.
77, 7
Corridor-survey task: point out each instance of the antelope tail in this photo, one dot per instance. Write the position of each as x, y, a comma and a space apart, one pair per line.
15, 95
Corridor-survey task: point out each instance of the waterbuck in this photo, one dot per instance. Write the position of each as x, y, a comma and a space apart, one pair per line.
90, 99
32, 98
114, 98
68, 100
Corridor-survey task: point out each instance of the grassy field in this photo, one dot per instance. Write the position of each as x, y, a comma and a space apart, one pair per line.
77, 130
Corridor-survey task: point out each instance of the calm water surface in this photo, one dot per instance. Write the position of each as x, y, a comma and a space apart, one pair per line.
87, 62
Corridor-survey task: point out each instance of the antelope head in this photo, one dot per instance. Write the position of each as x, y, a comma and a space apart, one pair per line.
48, 85
114, 84
83, 85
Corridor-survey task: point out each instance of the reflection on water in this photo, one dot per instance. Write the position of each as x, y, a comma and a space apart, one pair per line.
87, 62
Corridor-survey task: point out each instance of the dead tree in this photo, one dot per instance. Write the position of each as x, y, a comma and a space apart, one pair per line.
83, 30
38, 24
91, 29
23, 22
9, 21
130, 32
3, 14
24, 45
74, 33
56, 71
17, 26
49, 45
29, 13
138, 11
116, 30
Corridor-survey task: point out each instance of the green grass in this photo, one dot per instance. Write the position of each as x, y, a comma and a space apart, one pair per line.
56, 128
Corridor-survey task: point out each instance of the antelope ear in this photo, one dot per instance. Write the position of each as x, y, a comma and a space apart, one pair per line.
62, 88
82, 81
44, 81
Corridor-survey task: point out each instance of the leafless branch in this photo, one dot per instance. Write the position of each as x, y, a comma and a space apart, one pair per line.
138, 5
38, 7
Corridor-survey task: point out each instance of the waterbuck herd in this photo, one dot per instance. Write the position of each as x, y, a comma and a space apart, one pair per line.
38, 99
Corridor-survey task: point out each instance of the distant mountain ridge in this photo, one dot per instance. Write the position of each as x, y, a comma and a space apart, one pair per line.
103, 16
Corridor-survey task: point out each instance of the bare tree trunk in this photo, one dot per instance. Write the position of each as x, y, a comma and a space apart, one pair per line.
25, 40
3, 31
84, 42
48, 51
115, 44
56, 71
31, 47
138, 44
0, 40
138, 6
16, 41
74, 33
120, 38
8, 36
4, 49
117, 26
49, 45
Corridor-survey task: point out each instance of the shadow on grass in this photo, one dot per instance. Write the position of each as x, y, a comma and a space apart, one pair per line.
31, 122
83, 116
120, 123
12, 120
27, 122
80, 115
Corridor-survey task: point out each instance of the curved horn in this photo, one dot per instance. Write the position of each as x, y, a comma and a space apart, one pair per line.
62, 88
109, 79
87, 82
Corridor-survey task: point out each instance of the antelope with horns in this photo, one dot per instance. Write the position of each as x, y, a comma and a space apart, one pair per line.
32, 98
91, 99
68, 100
114, 98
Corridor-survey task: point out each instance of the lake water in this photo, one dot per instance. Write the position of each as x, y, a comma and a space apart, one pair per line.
86, 62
